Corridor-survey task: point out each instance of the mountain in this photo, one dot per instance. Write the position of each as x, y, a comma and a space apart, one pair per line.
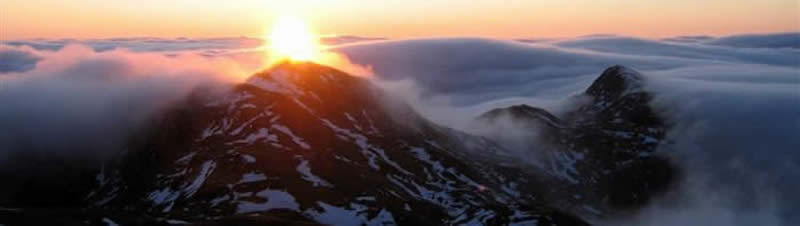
602, 152
306, 144
297, 144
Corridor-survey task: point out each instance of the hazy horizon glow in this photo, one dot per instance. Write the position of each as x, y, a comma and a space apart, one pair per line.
26, 19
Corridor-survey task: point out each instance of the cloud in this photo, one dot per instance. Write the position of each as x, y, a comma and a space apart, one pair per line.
80, 103
208, 46
16, 59
644, 47
334, 40
689, 38
143, 44
775, 40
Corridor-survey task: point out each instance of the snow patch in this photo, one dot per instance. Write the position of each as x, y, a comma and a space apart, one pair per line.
262, 134
562, 165
355, 215
245, 124
162, 196
305, 171
297, 140
248, 158
252, 177
275, 200
109, 222
205, 171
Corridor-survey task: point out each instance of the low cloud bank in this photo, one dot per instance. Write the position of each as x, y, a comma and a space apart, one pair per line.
16, 59
143, 44
80, 103
206, 46
779, 40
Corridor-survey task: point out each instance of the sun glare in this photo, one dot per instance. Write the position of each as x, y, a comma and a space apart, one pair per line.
291, 38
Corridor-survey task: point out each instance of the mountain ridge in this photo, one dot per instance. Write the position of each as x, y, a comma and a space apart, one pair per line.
302, 143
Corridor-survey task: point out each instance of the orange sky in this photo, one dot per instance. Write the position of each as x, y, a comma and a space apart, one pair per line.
21, 19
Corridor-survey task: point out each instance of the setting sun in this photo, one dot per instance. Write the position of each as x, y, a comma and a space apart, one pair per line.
291, 38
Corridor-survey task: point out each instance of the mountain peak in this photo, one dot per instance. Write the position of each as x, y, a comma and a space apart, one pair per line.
298, 66
615, 81
300, 71
307, 78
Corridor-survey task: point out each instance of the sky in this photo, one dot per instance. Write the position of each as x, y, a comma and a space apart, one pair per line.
26, 19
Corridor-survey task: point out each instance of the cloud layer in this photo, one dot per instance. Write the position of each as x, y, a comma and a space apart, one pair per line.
780, 40
207, 46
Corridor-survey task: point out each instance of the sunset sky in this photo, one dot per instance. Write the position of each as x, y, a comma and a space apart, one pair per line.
23, 19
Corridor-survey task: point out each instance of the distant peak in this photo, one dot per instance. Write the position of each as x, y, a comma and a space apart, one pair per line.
615, 81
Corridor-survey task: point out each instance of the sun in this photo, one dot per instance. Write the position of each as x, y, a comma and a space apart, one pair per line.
292, 39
